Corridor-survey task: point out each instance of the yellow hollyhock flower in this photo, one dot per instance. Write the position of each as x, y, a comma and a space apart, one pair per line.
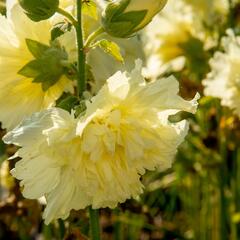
209, 10
19, 96
98, 159
162, 45
223, 81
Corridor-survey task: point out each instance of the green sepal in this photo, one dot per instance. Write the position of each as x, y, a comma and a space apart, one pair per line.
38, 10
120, 24
47, 80
71, 71
135, 17
48, 67
31, 69
114, 10
36, 48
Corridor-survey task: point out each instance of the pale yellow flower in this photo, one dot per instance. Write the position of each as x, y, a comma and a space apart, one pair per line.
163, 38
19, 96
224, 79
209, 10
98, 159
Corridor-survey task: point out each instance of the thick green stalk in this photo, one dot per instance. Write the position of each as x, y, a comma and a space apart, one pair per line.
81, 55
77, 23
94, 224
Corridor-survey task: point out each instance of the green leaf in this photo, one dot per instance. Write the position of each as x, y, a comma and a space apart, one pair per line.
90, 8
68, 103
36, 48
38, 10
59, 29
56, 32
111, 48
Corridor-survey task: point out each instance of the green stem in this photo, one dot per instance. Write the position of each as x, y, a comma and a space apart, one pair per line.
81, 54
77, 23
93, 36
118, 231
61, 228
94, 224
68, 16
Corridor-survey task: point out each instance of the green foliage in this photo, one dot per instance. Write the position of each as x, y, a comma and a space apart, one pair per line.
110, 48
67, 102
197, 57
39, 10
47, 67
59, 29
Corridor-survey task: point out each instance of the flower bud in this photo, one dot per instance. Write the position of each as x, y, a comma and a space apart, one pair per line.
38, 10
122, 18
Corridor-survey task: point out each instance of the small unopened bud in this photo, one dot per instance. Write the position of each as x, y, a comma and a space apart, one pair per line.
38, 10
123, 18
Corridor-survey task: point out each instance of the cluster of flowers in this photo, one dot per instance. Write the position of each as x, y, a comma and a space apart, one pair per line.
96, 157
183, 21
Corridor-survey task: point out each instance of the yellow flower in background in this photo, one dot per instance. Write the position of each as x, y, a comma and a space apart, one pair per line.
208, 10
98, 159
163, 38
19, 96
224, 79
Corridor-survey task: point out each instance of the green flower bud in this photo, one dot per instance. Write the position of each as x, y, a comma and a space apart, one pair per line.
122, 18
38, 10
